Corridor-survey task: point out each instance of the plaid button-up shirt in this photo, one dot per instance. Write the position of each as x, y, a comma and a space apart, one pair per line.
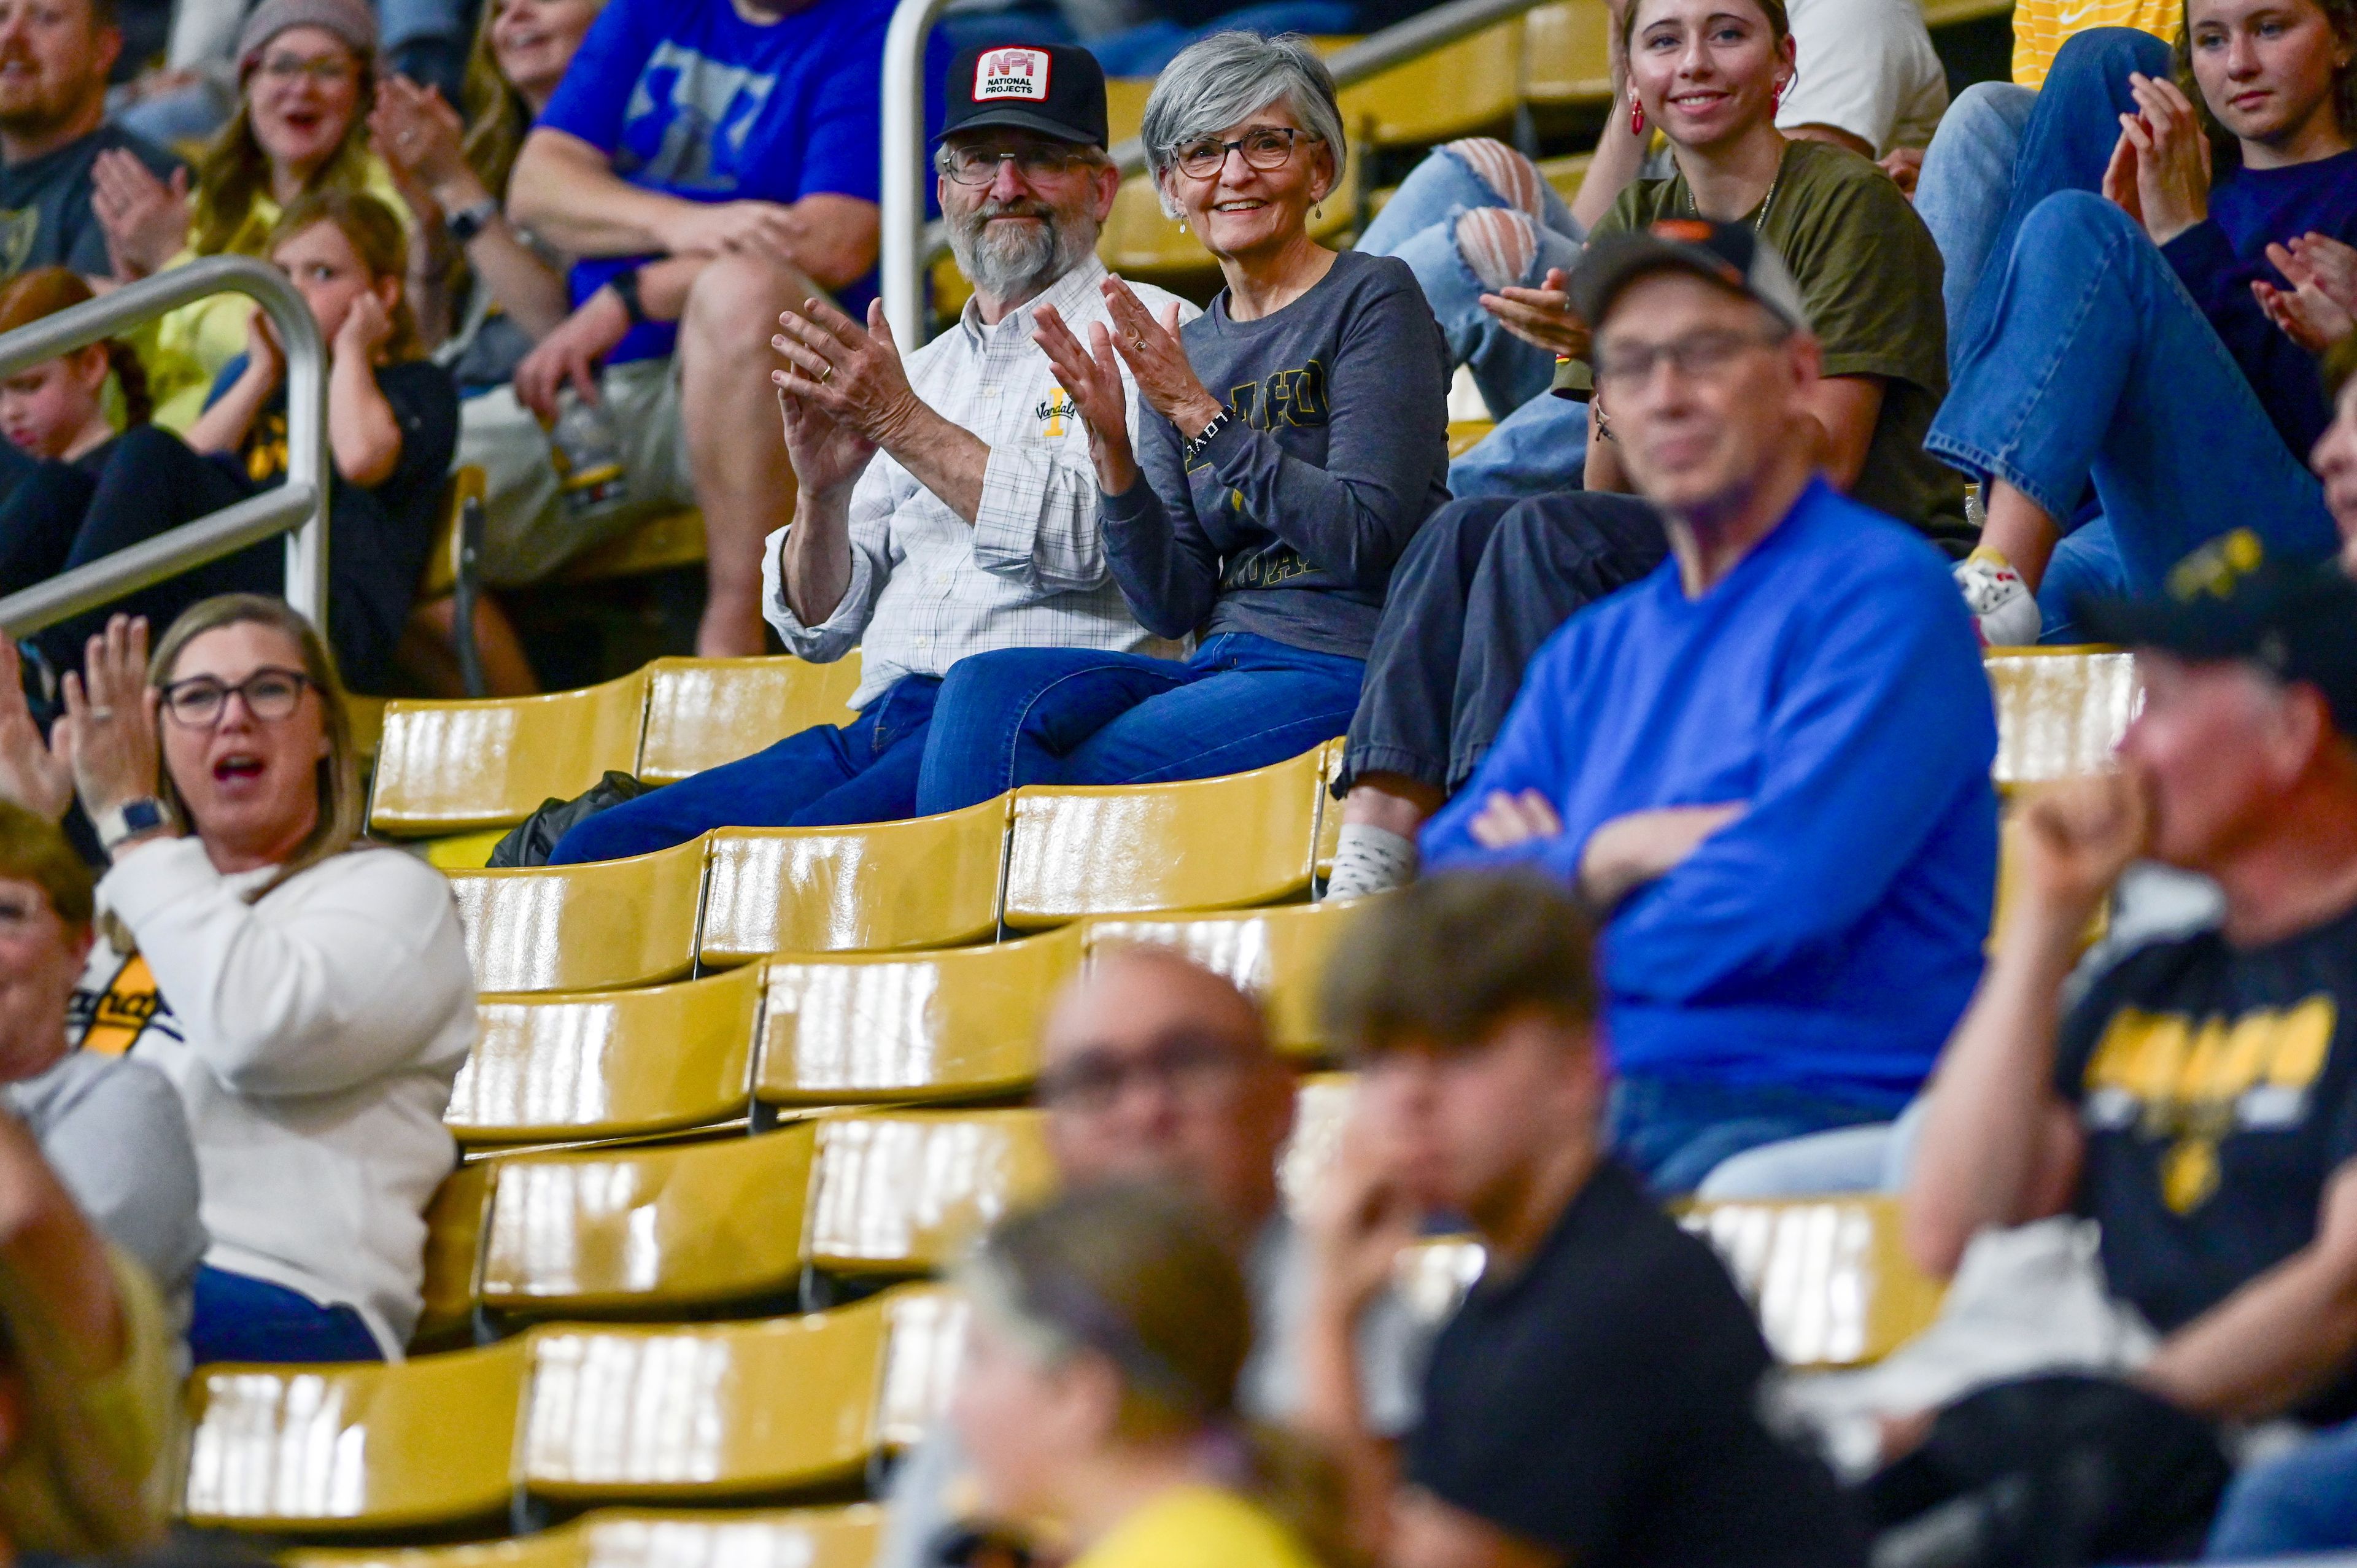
927, 589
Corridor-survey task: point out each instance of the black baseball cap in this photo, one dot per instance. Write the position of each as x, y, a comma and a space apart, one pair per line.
1728, 255
2228, 600
1056, 89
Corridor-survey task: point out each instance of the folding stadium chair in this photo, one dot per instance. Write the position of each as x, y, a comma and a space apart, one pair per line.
1833, 1285
650, 1538
454, 1246
695, 1413
1565, 54
1277, 956
701, 712
1566, 173
1473, 84
365, 1447
609, 1064
648, 1231
561, 1548
366, 715
1330, 810
1208, 844
583, 927
2060, 711
925, 1336
931, 881
958, 1025
459, 768
901, 1194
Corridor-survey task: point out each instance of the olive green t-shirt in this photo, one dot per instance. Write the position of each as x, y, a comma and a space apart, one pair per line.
1870, 278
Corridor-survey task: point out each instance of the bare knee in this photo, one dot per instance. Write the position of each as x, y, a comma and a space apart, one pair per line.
733, 305
1514, 177
1498, 243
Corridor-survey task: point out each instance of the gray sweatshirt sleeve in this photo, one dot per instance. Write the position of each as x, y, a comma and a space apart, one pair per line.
1168, 567
119, 1141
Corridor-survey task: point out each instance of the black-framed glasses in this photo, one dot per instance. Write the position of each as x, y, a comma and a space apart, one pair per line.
1263, 147
1038, 161
1186, 1065
1696, 354
270, 693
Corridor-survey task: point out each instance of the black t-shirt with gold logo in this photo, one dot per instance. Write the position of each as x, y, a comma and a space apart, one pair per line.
2218, 1091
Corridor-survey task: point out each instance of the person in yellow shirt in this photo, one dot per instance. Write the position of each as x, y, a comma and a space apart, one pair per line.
1097, 1393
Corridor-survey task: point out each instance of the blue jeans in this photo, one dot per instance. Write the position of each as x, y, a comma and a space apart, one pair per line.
2086, 563
2304, 1500
864, 772
1145, 49
1418, 225
239, 1318
1072, 715
1674, 1130
1966, 184
2098, 367
1538, 449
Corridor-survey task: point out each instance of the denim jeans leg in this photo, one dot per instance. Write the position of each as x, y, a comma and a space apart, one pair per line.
2300, 1502
1674, 1131
1258, 703
2086, 561
1967, 181
885, 790
1009, 718
2098, 366
1539, 448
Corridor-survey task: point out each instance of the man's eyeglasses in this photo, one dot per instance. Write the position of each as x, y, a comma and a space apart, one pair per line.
1266, 148
979, 166
1184, 1066
271, 693
328, 71
1698, 354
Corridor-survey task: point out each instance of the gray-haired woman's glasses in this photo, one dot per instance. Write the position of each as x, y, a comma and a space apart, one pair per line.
271, 693
1268, 147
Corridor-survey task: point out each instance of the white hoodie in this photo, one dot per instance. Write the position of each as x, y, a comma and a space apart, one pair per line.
313, 1036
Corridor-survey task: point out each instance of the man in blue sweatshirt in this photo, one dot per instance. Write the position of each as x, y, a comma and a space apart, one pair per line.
1765, 765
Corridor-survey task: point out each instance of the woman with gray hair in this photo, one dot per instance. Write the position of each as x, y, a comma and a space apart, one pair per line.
1264, 517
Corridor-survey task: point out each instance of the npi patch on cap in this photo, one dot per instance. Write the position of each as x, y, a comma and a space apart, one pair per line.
1011, 73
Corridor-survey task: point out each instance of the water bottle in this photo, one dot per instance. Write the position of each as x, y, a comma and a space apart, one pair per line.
591, 481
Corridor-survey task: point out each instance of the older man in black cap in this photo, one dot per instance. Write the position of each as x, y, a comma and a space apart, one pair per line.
2200, 1100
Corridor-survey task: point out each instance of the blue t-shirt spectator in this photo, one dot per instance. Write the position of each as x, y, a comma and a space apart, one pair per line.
1827, 940
690, 98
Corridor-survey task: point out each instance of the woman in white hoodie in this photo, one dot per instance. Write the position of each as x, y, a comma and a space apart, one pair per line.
309, 996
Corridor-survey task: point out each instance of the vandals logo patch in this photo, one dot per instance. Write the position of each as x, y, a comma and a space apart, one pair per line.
1057, 412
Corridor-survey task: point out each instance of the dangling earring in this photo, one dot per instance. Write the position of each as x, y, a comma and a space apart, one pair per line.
1636, 114
1182, 225
1317, 209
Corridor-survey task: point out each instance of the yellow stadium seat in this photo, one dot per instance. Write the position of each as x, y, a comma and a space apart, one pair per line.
704, 1411
609, 1064
1277, 956
903, 1193
931, 881
959, 1023
1471, 85
925, 1333
701, 712
1566, 173
2060, 711
1208, 844
1330, 810
1566, 53
1464, 434
648, 1230
1832, 1284
843, 1537
450, 767
454, 1244
1125, 98
366, 715
346, 1448
561, 1548
583, 927
464, 484
1949, 12
658, 544
463, 852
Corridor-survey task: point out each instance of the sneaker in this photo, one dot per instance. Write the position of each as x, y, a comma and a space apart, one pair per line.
2002, 608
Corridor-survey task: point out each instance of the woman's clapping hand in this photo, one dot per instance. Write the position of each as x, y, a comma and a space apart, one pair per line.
2321, 308
2159, 173
1090, 376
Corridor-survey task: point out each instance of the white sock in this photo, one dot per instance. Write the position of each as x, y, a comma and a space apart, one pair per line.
1369, 859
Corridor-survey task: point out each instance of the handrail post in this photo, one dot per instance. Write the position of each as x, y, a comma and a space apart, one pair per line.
903, 257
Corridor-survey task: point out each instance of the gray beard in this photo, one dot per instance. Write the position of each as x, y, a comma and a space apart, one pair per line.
1018, 263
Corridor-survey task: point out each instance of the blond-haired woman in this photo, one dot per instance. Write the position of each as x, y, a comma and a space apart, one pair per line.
308, 995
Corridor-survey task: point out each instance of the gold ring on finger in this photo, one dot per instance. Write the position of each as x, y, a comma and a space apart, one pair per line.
827, 372
100, 714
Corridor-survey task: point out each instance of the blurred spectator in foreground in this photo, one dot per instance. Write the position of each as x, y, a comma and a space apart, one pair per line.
53, 130
307, 995
1154, 1070
1594, 1400
111, 1129
1098, 1394
2200, 1100
713, 163
1766, 766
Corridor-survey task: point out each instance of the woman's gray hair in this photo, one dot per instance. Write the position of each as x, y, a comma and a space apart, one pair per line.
1214, 83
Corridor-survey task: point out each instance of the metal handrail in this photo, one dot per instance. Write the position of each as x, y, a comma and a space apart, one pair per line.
298, 508
908, 244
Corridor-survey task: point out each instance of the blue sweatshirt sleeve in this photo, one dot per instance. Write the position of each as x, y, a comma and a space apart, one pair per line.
2282, 374
1886, 722
1167, 565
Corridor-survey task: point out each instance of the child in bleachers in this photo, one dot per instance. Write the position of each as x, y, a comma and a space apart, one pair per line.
2123, 343
55, 417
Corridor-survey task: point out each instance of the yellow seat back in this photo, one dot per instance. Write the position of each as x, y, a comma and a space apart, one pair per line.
1208, 844
844, 1536
926, 883
904, 1193
1832, 1284
459, 767
701, 712
583, 927
649, 1230
560, 1548
925, 1330
680, 1412
607, 1064
1461, 87
453, 1246
1276, 956
1565, 52
2060, 711
959, 1023
344, 1448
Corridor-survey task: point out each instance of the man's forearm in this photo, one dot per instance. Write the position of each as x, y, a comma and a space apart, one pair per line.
565, 191
1333, 1412
947, 459
816, 567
